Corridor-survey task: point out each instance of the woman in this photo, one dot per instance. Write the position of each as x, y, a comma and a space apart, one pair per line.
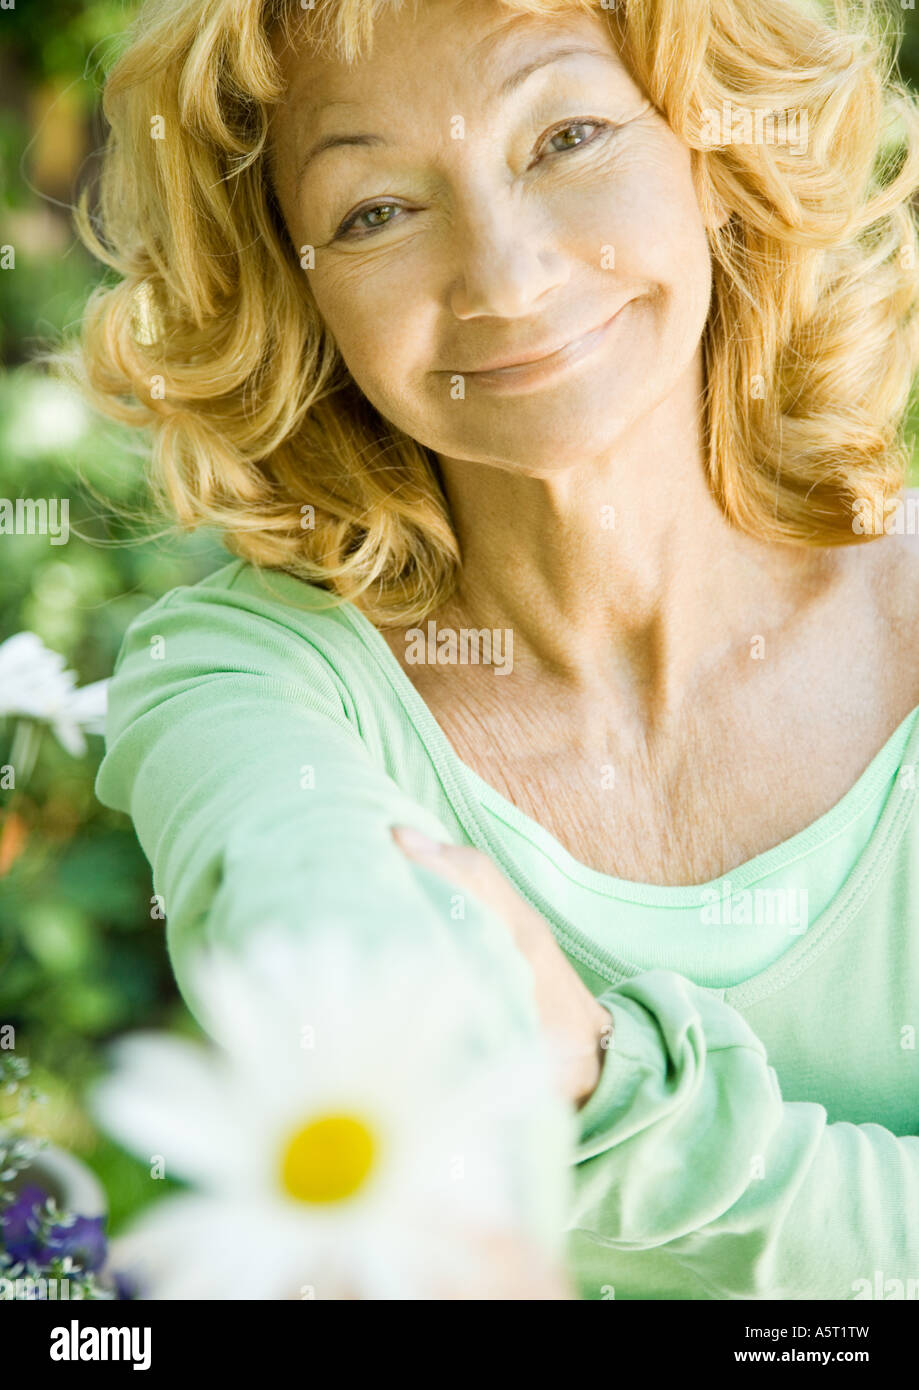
567, 350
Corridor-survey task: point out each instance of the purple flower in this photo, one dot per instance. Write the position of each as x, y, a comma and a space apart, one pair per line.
83, 1240
126, 1285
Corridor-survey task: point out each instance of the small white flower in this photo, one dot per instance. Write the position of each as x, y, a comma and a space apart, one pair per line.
353, 1126
82, 712
33, 680
35, 684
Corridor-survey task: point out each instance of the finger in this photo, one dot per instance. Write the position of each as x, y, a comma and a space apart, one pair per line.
461, 864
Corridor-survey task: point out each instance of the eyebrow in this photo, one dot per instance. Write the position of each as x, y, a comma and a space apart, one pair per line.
507, 88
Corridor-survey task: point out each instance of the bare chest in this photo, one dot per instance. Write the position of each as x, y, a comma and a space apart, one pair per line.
725, 784
748, 763
685, 810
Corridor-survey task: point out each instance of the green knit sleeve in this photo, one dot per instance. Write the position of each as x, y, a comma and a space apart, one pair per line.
229, 744
695, 1179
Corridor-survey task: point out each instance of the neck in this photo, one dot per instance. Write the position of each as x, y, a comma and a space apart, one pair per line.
622, 572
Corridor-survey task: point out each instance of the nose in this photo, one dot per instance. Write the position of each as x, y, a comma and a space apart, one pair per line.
508, 260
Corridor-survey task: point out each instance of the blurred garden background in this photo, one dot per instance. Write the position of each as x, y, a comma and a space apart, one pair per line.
82, 958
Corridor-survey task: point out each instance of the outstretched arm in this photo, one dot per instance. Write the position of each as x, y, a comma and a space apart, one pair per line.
255, 798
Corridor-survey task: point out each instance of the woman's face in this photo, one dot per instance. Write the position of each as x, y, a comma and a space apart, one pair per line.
467, 213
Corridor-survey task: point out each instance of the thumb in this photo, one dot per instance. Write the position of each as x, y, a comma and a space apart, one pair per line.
460, 864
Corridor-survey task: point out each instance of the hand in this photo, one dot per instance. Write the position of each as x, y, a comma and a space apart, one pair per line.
569, 1013
509, 1268
496, 1265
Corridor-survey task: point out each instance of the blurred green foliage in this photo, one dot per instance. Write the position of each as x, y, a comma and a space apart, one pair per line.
81, 959
80, 956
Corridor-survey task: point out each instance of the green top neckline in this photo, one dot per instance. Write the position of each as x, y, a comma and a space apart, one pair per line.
458, 781
832, 822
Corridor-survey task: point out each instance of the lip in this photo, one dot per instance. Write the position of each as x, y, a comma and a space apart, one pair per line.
534, 370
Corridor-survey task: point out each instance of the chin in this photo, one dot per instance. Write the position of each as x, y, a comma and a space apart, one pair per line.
546, 446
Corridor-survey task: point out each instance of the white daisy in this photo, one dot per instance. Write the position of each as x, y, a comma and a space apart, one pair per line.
82, 712
354, 1126
35, 684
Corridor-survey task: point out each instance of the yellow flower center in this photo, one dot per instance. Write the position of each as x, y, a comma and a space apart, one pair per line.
328, 1159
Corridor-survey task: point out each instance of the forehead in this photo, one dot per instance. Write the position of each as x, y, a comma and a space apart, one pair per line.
435, 43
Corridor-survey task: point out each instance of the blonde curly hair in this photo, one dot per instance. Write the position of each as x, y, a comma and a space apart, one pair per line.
810, 350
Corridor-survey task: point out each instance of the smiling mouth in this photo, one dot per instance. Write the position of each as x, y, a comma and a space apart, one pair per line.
536, 370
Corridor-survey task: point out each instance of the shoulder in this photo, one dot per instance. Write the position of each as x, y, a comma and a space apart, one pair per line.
898, 551
241, 632
240, 608
245, 587
892, 567
903, 522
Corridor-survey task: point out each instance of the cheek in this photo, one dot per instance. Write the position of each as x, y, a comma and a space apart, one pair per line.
375, 319
657, 228
385, 331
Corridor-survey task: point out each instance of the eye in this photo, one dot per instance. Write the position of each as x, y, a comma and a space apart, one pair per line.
354, 219
572, 134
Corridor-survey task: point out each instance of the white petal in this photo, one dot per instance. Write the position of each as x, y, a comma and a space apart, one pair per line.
87, 706
33, 680
69, 737
188, 1247
171, 1098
